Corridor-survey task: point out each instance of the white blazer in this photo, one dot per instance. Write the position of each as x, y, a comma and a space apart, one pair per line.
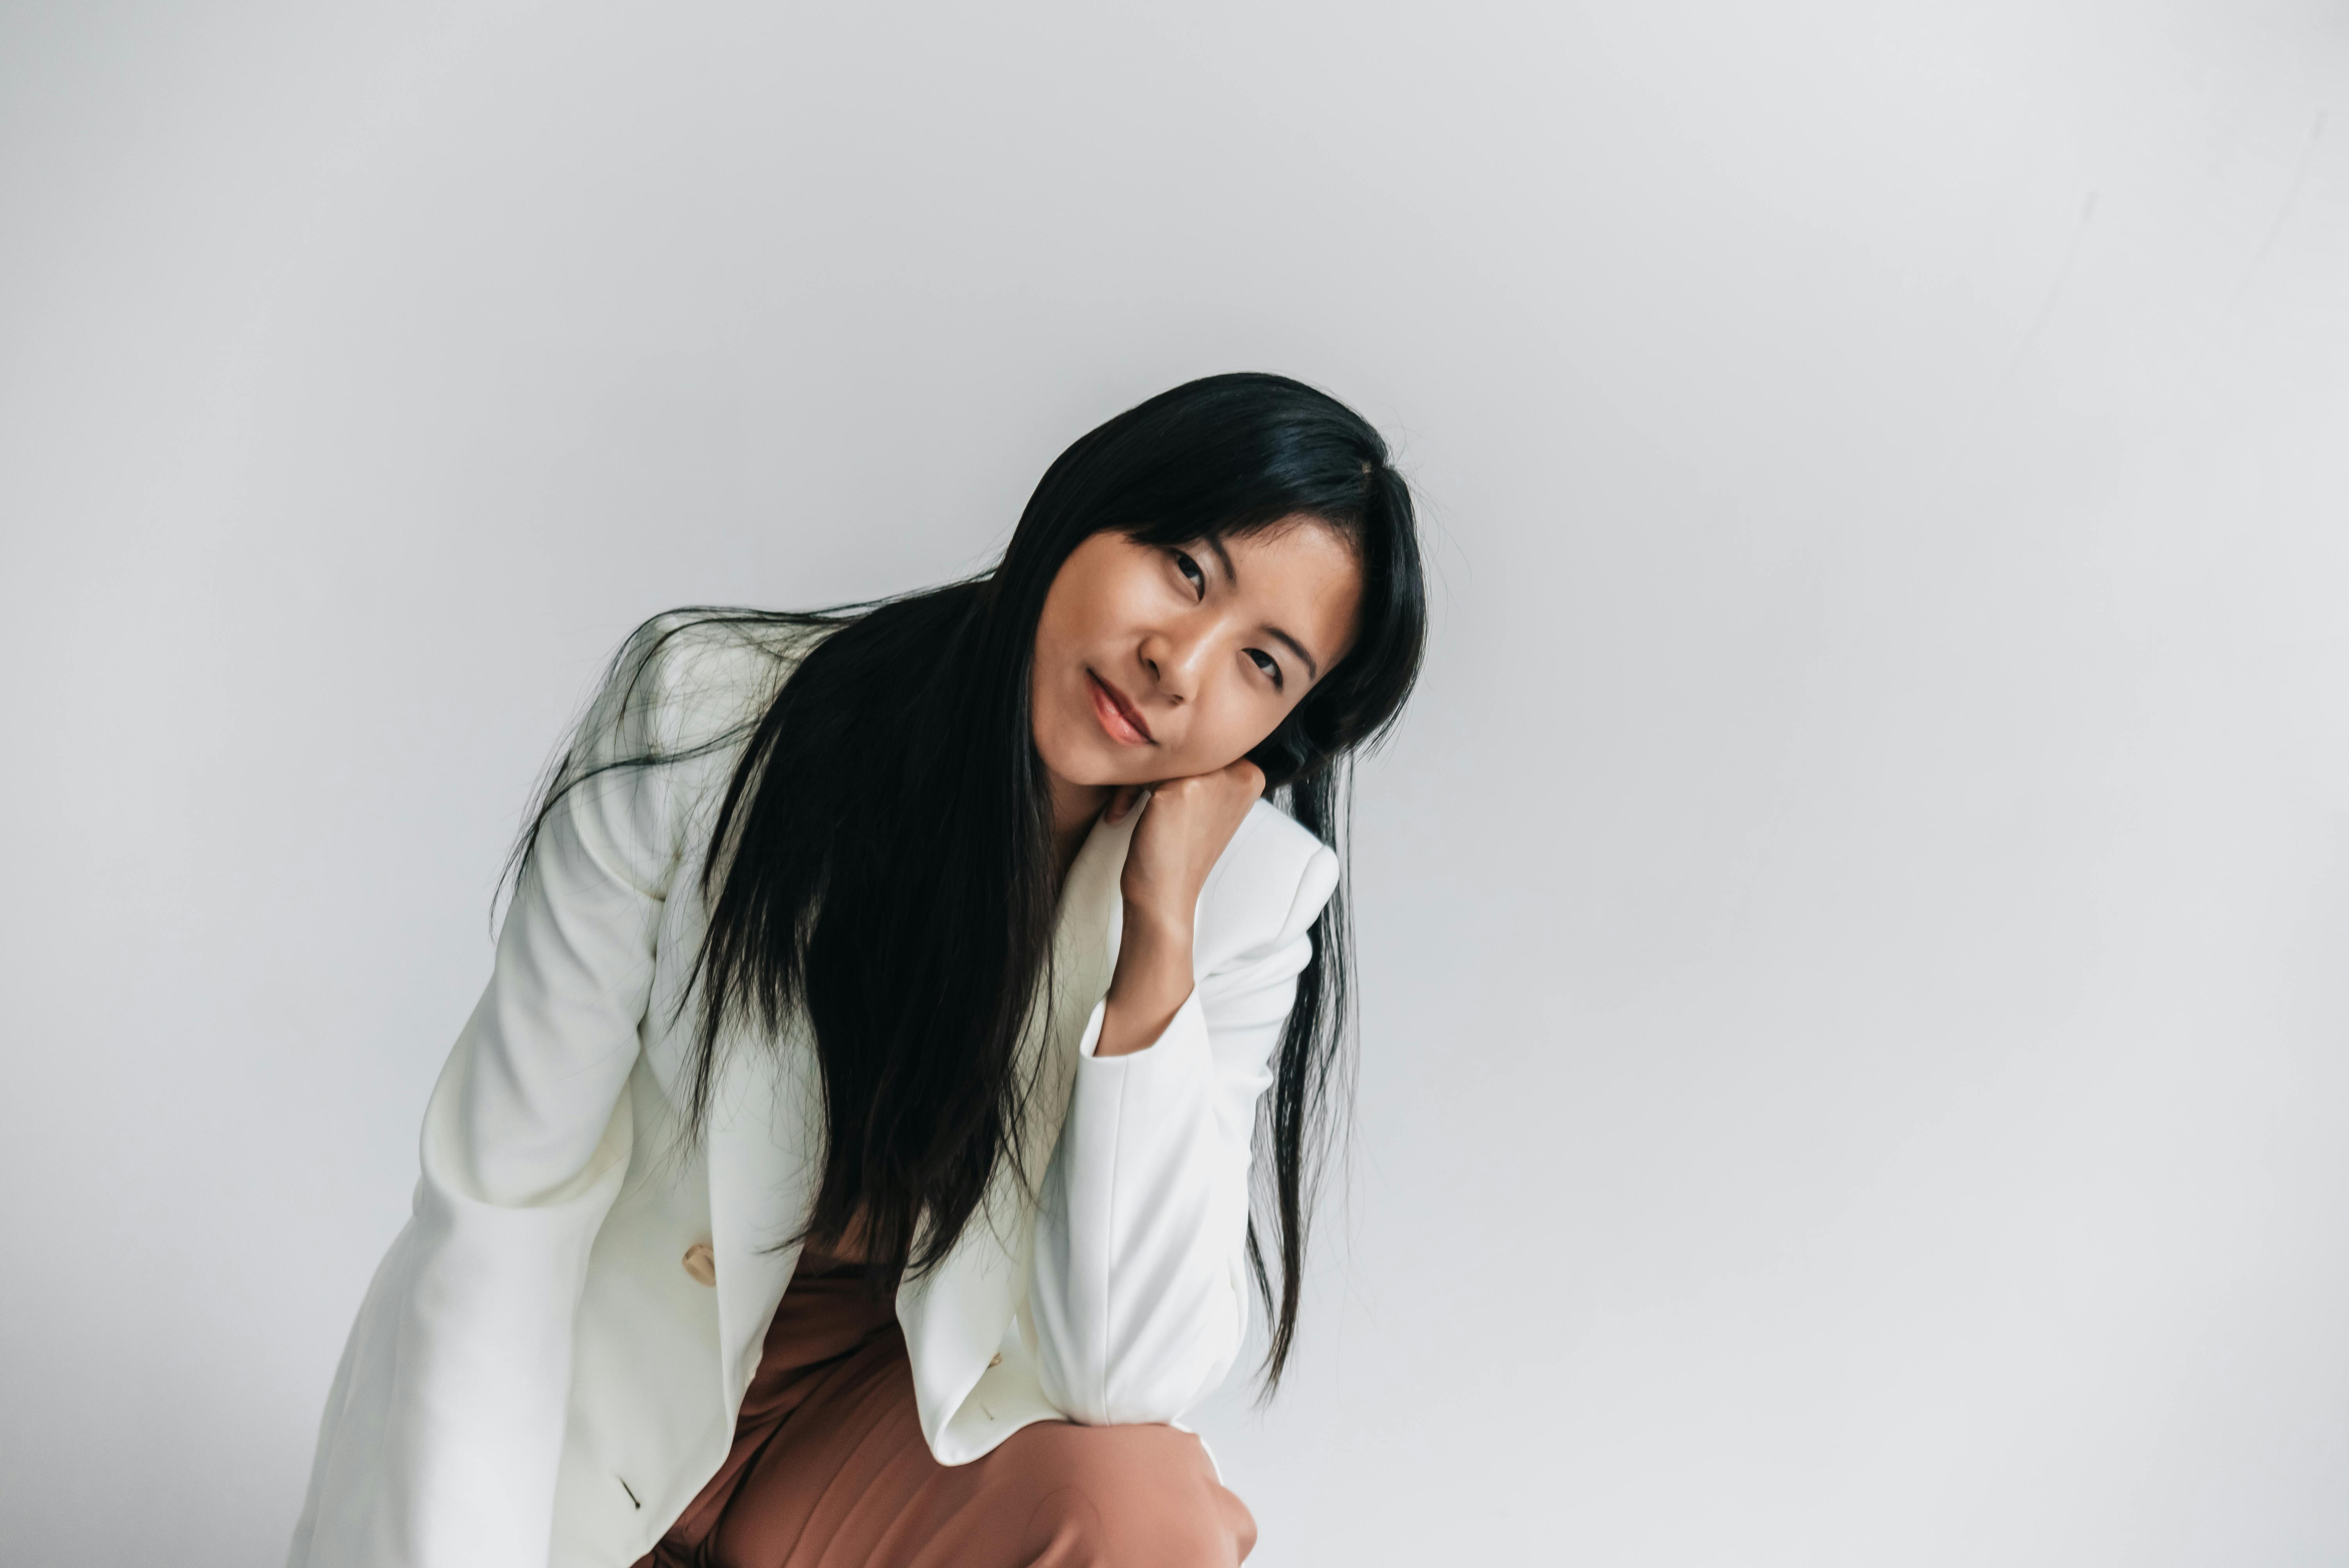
537, 1376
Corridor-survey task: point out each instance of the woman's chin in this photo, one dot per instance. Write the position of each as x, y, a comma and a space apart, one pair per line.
1087, 767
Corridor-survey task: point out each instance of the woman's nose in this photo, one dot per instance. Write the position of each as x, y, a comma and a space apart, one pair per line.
1173, 662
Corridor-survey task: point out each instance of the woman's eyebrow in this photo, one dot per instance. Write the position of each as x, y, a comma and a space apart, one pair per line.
1296, 647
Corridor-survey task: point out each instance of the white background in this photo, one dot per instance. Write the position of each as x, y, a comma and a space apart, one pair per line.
1856, 1050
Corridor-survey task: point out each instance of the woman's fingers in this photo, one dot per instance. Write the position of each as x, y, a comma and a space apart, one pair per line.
1225, 791
1180, 838
1243, 778
1122, 801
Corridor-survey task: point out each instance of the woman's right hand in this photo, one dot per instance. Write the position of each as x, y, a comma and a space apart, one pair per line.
1186, 824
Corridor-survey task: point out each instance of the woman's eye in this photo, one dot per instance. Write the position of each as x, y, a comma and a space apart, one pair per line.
1191, 574
1266, 663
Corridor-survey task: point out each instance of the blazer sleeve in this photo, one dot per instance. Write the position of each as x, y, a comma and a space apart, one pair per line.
444, 1428
1140, 1285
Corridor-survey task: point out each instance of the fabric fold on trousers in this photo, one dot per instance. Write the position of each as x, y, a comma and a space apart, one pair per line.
828, 1469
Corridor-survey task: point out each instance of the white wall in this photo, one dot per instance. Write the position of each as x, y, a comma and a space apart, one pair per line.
1857, 1036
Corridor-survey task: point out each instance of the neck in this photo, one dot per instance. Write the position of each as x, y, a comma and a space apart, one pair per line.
1074, 807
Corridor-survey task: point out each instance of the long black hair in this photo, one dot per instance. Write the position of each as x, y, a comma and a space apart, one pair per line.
882, 861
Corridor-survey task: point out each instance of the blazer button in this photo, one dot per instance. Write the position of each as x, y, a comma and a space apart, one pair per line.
701, 1263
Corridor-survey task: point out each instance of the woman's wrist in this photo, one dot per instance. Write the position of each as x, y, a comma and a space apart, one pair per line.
1151, 981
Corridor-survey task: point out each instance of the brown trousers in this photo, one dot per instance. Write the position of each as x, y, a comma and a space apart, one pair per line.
829, 1470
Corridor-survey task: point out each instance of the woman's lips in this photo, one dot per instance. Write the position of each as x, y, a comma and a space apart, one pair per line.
1117, 716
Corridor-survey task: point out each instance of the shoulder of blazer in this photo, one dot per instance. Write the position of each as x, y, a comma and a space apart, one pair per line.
1267, 888
686, 692
696, 680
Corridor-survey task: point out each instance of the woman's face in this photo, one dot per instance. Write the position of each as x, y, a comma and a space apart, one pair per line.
1155, 662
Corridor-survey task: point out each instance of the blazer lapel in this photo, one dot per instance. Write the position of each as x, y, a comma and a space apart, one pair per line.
1084, 956
765, 1128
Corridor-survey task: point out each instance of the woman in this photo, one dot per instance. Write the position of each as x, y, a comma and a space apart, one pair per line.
850, 1159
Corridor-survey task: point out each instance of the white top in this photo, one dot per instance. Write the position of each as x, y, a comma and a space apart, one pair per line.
537, 1375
